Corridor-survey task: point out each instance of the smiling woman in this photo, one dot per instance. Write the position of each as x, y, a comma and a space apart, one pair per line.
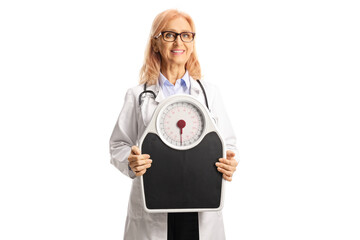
174, 52
170, 67
166, 52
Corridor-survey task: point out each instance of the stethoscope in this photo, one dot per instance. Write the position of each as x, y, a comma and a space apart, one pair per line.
154, 95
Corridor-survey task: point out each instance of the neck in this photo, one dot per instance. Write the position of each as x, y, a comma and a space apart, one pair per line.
173, 72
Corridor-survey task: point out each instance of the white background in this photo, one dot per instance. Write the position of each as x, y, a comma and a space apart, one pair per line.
289, 75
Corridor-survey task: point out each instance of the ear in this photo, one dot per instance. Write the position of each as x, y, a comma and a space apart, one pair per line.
154, 45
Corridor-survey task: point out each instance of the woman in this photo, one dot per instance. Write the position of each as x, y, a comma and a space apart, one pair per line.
170, 67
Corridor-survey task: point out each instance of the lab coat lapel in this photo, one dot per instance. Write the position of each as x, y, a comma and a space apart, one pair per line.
196, 91
159, 93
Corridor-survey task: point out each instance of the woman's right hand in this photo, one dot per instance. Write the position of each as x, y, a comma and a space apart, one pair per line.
139, 162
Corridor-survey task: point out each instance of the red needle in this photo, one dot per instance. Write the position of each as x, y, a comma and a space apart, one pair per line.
181, 124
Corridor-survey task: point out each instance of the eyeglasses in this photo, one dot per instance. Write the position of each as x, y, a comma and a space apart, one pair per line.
170, 36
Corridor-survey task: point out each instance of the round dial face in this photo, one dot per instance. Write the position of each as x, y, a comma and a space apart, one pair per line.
181, 124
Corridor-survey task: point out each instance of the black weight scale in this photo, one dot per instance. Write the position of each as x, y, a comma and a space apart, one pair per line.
184, 144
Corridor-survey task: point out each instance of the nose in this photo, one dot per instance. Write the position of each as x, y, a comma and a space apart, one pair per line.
177, 40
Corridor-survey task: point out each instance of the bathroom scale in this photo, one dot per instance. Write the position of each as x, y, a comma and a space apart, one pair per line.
184, 144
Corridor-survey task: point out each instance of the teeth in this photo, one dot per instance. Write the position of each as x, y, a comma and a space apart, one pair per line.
177, 51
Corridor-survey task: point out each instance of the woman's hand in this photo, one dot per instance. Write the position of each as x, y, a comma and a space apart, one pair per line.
227, 166
139, 162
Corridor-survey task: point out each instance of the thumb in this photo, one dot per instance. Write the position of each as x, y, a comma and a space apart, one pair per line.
230, 153
135, 150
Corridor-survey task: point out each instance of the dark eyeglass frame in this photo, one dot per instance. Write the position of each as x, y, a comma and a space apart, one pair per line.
176, 35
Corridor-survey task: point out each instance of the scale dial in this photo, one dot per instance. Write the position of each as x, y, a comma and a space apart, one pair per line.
181, 124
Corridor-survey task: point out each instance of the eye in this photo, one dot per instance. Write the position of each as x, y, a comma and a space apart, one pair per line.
186, 35
169, 35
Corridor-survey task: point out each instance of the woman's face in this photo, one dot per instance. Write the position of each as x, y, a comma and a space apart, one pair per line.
177, 52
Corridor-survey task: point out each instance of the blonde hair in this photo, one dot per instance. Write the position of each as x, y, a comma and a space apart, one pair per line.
150, 70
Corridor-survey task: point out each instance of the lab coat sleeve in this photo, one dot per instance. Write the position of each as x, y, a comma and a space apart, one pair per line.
124, 135
223, 123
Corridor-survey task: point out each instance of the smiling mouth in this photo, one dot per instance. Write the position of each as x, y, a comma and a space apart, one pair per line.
177, 51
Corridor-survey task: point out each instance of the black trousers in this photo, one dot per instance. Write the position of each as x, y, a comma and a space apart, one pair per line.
183, 226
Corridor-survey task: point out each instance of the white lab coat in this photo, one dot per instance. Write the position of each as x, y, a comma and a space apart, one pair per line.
129, 128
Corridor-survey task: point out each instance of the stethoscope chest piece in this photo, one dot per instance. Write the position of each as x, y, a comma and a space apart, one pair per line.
184, 144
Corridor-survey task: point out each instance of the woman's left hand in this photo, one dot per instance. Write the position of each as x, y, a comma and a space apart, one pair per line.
227, 166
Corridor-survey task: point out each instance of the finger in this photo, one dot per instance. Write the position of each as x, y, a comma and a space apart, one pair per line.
135, 150
226, 167
228, 173
140, 162
227, 178
140, 168
133, 158
140, 173
231, 162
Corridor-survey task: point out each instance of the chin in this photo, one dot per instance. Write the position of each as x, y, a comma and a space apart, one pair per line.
179, 62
